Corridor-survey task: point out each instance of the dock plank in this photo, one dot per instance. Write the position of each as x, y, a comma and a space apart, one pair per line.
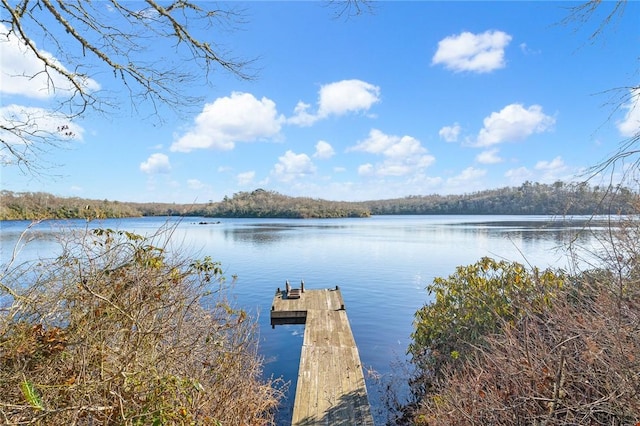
331, 389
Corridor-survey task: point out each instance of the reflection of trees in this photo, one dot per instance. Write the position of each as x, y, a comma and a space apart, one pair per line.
262, 233
257, 235
560, 232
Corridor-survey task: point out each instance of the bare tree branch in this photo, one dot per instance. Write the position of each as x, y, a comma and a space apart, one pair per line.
604, 14
350, 8
587, 12
75, 41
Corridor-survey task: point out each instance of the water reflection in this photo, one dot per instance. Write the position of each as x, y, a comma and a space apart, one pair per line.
255, 235
274, 230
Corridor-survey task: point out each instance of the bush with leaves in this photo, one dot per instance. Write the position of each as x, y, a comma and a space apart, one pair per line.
470, 305
576, 363
117, 330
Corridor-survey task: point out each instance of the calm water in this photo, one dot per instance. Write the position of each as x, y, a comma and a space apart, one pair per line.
382, 265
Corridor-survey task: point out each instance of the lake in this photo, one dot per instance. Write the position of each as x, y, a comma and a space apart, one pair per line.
382, 265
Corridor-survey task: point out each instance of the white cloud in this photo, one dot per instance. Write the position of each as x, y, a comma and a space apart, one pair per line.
472, 52
513, 123
376, 143
403, 155
366, 169
292, 166
195, 184
237, 118
389, 145
300, 115
324, 150
22, 73
450, 133
552, 171
519, 175
335, 99
525, 49
245, 178
630, 125
468, 178
347, 96
489, 157
543, 172
555, 164
156, 163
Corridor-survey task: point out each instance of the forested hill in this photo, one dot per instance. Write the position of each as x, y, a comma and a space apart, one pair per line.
259, 203
529, 198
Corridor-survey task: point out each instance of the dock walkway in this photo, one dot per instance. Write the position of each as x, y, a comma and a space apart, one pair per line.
331, 389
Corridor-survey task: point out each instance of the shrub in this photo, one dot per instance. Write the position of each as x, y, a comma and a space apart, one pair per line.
577, 363
117, 330
470, 305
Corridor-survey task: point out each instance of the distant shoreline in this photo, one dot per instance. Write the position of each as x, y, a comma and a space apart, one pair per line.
558, 199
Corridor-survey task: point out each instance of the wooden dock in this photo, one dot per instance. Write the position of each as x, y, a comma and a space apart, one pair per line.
331, 389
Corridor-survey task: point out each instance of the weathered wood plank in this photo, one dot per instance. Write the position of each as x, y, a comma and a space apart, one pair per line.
331, 389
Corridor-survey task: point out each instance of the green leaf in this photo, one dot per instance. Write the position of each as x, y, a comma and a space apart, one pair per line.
30, 394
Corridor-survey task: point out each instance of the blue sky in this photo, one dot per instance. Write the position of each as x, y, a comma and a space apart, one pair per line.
415, 98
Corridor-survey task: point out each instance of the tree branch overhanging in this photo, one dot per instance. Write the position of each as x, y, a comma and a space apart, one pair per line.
75, 42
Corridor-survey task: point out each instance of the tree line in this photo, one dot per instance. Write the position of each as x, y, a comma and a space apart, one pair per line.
529, 198
261, 203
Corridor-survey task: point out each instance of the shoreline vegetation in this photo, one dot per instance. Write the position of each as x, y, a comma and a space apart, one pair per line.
529, 198
118, 329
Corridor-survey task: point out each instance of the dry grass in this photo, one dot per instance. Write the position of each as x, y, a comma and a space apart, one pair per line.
117, 331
